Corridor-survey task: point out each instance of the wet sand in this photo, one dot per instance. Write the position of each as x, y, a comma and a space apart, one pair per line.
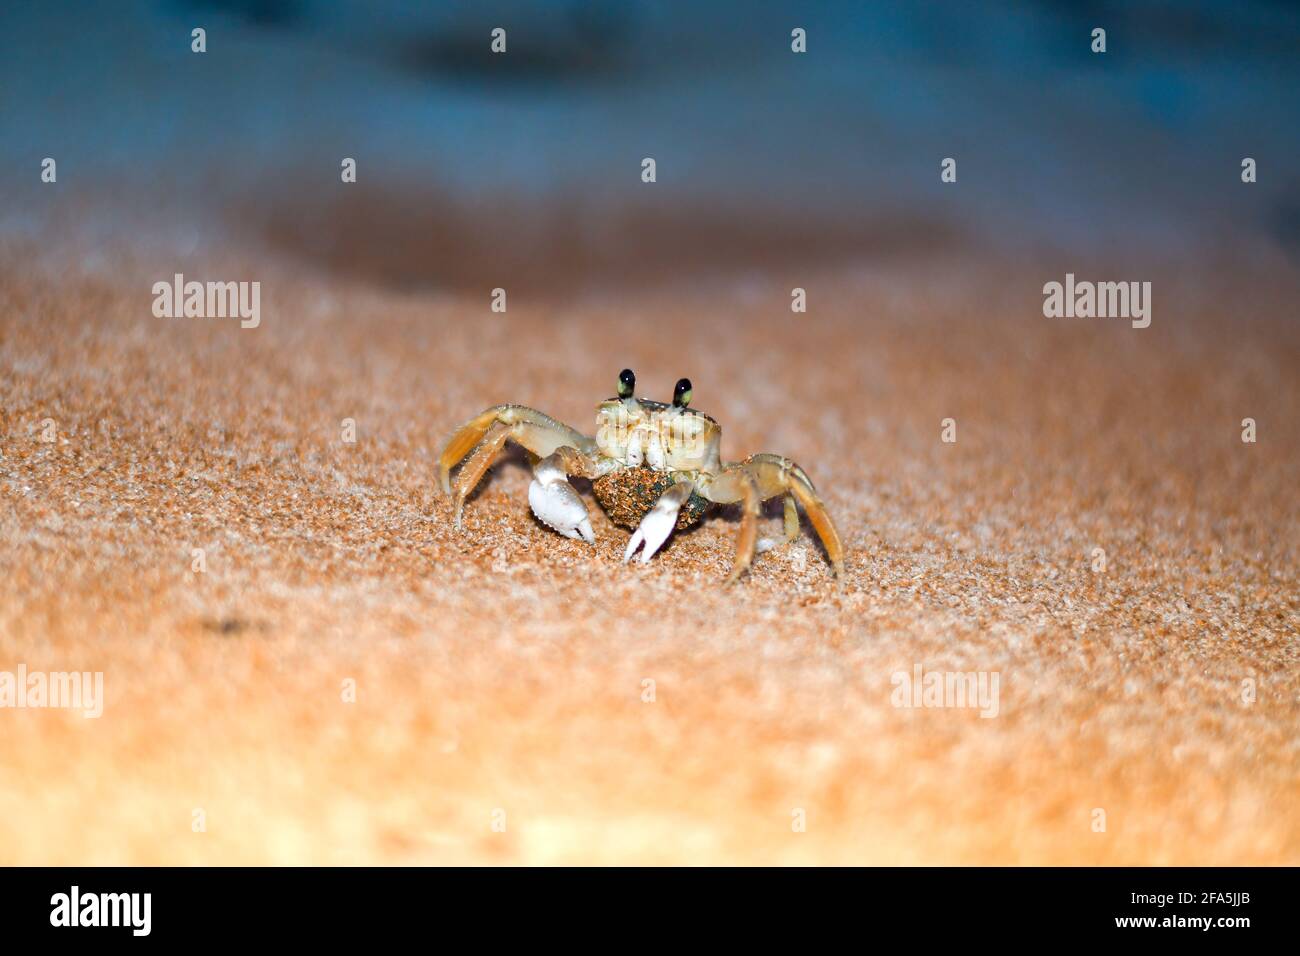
501, 672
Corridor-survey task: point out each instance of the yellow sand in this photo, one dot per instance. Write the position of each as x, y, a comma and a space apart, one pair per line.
505, 668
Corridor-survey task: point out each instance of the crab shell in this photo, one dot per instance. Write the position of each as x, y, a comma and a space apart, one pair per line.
651, 443
638, 431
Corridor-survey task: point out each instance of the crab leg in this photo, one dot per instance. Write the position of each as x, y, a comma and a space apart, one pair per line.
771, 475
659, 522
747, 536
471, 473
539, 433
487, 433
791, 523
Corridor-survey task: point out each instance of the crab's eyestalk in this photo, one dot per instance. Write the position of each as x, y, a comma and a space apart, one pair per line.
626, 383
682, 393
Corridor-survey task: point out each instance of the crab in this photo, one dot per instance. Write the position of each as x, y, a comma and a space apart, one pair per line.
653, 467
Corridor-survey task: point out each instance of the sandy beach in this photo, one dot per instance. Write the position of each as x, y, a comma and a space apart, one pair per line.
304, 662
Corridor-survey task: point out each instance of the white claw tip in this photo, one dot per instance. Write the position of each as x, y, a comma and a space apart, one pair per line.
637, 538
653, 531
558, 506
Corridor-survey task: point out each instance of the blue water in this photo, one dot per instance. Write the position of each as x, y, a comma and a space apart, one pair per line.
1053, 142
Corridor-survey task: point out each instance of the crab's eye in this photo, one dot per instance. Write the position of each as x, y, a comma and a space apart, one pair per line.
626, 383
682, 393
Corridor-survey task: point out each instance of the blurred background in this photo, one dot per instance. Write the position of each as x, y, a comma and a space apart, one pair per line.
473, 166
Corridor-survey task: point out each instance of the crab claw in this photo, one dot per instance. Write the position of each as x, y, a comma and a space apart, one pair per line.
658, 523
557, 505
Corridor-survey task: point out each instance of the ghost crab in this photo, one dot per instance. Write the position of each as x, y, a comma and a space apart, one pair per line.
654, 467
